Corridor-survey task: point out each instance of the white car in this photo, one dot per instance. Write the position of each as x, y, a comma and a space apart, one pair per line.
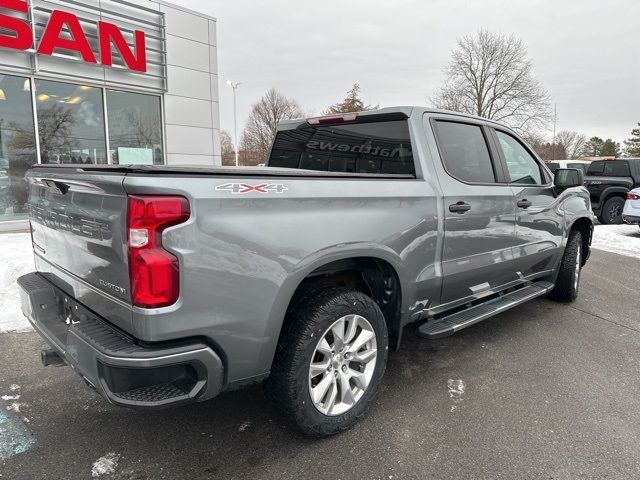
631, 212
579, 164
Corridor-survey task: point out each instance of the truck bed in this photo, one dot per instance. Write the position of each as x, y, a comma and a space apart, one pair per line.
216, 171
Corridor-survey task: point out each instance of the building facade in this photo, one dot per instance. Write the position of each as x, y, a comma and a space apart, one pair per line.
103, 82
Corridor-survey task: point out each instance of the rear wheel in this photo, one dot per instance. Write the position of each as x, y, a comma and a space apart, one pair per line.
330, 360
568, 282
612, 211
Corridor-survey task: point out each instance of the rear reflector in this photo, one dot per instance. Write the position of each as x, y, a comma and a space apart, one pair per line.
153, 271
333, 119
633, 196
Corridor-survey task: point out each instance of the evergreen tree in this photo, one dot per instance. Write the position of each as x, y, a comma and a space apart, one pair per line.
593, 147
353, 103
632, 146
610, 148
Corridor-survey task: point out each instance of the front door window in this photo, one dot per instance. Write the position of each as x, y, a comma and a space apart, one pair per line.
522, 167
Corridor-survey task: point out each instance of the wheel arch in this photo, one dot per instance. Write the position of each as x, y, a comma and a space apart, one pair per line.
585, 226
612, 192
362, 268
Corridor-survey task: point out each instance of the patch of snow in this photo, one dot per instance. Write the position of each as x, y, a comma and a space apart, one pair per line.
16, 259
105, 465
621, 239
6, 398
456, 389
244, 426
15, 407
14, 387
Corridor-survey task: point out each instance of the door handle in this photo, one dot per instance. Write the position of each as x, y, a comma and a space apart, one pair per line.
459, 207
524, 204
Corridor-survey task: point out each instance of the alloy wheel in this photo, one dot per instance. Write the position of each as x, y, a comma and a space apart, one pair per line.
342, 365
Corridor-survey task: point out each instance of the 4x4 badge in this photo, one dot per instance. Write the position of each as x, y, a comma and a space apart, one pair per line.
241, 188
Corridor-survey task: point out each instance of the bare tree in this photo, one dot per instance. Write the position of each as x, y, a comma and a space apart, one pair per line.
572, 143
228, 151
142, 130
55, 129
263, 120
547, 151
490, 75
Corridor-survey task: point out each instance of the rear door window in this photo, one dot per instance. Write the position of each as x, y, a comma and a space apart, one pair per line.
610, 168
373, 147
617, 169
464, 151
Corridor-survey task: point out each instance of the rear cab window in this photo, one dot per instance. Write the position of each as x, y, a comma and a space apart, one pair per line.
375, 147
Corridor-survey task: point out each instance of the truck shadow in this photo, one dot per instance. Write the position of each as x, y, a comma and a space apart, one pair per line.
239, 432
240, 435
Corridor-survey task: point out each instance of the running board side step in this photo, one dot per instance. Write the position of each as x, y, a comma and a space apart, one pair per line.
446, 326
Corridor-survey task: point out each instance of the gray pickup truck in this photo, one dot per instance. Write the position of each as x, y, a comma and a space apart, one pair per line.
164, 285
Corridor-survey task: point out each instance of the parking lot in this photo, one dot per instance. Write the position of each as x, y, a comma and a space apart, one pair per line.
544, 391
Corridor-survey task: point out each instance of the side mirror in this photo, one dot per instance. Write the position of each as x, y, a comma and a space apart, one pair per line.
568, 178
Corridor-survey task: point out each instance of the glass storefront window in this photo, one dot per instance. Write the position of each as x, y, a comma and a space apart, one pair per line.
71, 130
70, 123
135, 128
17, 145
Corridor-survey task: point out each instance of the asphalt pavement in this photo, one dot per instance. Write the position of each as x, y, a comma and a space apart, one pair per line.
544, 391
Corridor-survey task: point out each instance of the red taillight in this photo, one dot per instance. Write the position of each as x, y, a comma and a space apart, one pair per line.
153, 271
633, 196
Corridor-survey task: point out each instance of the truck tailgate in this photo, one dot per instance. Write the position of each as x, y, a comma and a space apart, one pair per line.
78, 221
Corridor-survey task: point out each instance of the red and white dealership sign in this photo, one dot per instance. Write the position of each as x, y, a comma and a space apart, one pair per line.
16, 34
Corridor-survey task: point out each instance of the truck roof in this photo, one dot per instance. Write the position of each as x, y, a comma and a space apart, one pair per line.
406, 110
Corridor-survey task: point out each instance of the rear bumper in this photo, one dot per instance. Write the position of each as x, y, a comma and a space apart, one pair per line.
631, 219
123, 371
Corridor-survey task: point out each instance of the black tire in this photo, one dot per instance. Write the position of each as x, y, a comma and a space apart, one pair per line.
612, 211
568, 281
312, 313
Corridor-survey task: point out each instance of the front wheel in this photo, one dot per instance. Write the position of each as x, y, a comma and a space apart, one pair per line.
330, 360
568, 282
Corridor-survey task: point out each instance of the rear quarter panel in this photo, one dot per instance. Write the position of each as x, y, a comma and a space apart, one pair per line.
243, 255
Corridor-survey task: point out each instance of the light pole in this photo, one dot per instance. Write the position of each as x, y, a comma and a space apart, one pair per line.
1, 146
235, 116
555, 121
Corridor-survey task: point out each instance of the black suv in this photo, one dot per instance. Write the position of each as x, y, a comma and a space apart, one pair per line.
608, 182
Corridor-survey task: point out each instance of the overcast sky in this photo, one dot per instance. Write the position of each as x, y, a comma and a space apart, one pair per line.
585, 52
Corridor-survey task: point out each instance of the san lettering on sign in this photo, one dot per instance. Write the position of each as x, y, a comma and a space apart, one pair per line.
16, 34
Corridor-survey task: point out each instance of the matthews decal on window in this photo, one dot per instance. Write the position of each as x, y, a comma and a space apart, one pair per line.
364, 149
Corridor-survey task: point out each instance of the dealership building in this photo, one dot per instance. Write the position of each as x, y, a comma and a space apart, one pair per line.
103, 82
